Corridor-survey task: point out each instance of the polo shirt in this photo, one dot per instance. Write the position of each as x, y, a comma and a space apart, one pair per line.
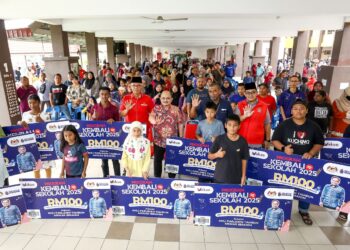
286, 100
104, 114
223, 110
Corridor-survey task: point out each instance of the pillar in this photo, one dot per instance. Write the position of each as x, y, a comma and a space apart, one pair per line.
132, 54
59, 39
335, 77
273, 53
246, 62
258, 53
239, 60
301, 49
143, 53
137, 53
92, 52
110, 52
319, 47
10, 114
222, 54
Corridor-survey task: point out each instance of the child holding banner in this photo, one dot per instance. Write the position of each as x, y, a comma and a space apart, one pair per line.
136, 152
76, 159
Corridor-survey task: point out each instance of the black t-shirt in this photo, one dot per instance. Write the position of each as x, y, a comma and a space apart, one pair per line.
58, 94
229, 168
301, 137
320, 113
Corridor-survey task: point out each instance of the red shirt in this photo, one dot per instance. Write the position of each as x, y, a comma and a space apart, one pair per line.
23, 95
81, 73
271, 103
104, 114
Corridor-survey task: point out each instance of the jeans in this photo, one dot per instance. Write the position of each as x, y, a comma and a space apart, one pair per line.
303, 206
105, 168
158, 159
58, 109
43, 104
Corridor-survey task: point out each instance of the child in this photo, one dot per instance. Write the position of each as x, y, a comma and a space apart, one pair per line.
75, 159
114, 92
209, 128
89, 108
231, 152
156, 93
136, 152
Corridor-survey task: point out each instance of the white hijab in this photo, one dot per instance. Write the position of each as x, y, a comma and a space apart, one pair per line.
136, 148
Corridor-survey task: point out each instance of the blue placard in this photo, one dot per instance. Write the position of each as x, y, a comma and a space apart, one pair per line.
336, 149
155, 197
13, 210
251, 207
316, 181
67, 198
189, 157
20, 153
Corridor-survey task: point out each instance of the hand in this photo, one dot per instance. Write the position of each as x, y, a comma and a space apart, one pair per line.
129, 105
201, 140
110, 121
159, 120
129, 172
221, 153
321, 204
243, 179
83, 174
348, 115
279, 229
307, 156
248, 112
94, 115
267, 144
195, 101
24, 124
62, 175
337, 208
38, 118
145, 175
265, 228
288, 149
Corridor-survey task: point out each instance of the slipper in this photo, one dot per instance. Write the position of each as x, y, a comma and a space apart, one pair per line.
306, 218
342, 217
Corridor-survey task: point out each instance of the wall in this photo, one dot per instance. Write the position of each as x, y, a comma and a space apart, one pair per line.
200, 53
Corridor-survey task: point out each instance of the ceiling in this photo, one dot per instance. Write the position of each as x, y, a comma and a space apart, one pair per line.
210, 23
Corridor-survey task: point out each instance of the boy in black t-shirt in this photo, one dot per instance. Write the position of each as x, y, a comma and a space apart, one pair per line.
58, 98
301, 136
231, 152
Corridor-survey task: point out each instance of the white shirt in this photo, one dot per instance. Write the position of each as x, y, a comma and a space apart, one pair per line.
30, 118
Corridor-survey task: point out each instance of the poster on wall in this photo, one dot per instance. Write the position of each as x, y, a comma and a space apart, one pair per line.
189, 157
13, 210
20, 153
316, 181
250, 207
154, 197
68, 198
336, 149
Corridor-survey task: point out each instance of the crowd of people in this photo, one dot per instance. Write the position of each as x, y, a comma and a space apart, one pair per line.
262, 111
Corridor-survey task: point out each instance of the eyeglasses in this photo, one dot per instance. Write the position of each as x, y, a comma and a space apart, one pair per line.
165, 98
250, 92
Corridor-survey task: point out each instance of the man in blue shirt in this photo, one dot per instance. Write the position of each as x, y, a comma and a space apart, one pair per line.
274, 217
199, 92
332, 195
230, 69
9, 214
57, 145
236, 98
97, 205
182, 207
25, 160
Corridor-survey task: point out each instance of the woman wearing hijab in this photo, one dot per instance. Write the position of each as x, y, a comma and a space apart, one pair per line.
92, 85
341, 114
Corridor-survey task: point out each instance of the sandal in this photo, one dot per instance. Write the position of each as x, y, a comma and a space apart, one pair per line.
342, 217
306, 218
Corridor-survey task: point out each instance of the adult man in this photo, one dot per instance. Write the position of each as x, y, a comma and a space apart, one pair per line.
218, 73
58, 98
223, 110
300, 136
236, 98
199, 92
266, 98
105, 111
97, 205
230, 69
158, 80
137, 106
182, 207
43, 87
25, 160
255, 119
167, 122
333, 195
9, 214
274, 217
69, 80
288, 97
23, 92
259, 74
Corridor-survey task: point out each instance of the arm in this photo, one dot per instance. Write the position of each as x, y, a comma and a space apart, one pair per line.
51, 99
314, 150
244, 172
86, 162
62, 169
152, 118
146, 163
282, 113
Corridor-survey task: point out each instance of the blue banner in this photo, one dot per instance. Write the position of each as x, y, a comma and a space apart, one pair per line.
336, 149
13, 210
189, 157
250, 207
20, 153
68, 198
155, 197
316, 181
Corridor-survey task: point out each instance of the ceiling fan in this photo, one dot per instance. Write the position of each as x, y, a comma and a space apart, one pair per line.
160, 19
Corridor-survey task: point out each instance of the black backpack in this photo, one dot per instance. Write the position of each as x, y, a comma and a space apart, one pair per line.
42, 88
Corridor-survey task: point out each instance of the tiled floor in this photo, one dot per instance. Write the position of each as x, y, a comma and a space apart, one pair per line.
136, 233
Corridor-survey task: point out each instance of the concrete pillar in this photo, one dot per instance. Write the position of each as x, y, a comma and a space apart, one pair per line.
92, 52
273, 54
143, 53
258, 55
211, 54
336, 76
239, 60
222, 54
319, 47
132, 54
10, 113
246, 62
301, 49
59, 39
110, 52
137, 53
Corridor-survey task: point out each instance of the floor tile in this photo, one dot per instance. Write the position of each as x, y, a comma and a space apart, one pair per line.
190, 233
337, 235
10, 229
217, 246
296, 247
65, 242
124, 218
192, 246
291, 237
16, 241
297, 220
4, 237
120, 230
313, 235
161, 245
97, 229
322, 247
167, 232
240, 235
270, 247
342, 247
52, 227
109, 244
244, 246
146, 220
143, 231
216, 234
31, 227
316, 208
75, 228
137, 245
40, 242
324, 219
89, 243
168, 221
265, 237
